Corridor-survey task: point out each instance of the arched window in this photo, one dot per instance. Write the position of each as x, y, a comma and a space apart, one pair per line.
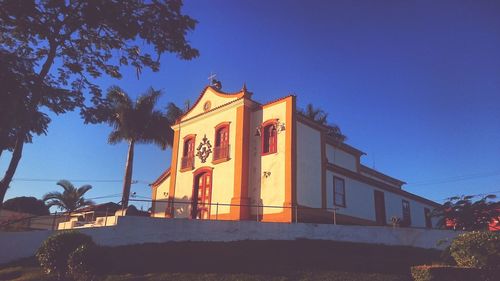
187, 162
221, 149
269, 137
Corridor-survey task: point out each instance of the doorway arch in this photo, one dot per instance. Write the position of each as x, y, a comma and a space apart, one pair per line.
202, 193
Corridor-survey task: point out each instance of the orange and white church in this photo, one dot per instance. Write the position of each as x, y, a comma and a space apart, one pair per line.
236, 159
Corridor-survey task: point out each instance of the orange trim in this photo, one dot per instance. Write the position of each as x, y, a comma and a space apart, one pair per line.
190, 136
290, 158
161, 178
262, 141
284, 216
173, 172
201, 170
153, 199
219, 126
323, 170
356, 176
240, 191
184, 140
239, 94
274, 102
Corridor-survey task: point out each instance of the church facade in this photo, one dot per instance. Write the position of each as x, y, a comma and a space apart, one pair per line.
236, 159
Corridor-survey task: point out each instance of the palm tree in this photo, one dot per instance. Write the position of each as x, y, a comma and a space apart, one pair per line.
321, 117
138, 122
70, 199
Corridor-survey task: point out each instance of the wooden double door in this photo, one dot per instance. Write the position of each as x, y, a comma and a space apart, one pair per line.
202, 195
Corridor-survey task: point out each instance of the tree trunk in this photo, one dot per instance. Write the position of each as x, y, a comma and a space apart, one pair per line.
128, 175
20, 137
9, 174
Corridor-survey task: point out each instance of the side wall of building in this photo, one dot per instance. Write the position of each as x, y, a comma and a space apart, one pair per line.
160, 197
267, 173
309, 166
359, 194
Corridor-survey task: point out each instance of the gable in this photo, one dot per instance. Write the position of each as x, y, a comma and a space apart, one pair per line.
211, 98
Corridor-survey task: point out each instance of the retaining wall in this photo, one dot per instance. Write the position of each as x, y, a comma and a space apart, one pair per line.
137, 230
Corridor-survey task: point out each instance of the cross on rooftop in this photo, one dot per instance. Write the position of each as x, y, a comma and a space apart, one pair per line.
211, 78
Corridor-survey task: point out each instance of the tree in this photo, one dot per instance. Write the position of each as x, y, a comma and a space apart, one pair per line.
70, 199
59, 47
29, 205
137, 122
321, 117
460, 212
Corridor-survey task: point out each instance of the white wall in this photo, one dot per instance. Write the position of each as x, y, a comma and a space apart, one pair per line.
358, 196
341, 158
360, 201
308, 166
137, 230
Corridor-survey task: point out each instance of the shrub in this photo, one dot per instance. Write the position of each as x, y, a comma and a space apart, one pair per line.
446, 257
86, 262
54, 252
479, 249
451, 273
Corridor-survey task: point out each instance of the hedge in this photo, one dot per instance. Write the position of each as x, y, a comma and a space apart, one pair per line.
452, 273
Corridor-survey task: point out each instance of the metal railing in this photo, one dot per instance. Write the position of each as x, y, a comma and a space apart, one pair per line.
221, 152
187, 162
39, 222
257, 215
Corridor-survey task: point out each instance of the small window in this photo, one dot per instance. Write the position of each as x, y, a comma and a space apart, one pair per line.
221, 149
339, 192
406, 213
269, 138
428, 218
187, 161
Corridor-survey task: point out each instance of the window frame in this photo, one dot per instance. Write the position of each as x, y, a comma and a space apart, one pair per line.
268, 123
343, 194
406, 221
217, 128
191, 137
427, 217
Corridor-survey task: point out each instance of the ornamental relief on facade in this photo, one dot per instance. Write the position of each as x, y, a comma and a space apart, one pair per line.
204, 149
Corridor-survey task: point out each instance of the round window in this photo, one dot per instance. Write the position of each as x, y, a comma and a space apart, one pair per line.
207, 106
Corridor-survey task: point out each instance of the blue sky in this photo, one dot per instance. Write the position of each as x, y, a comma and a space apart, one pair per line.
414, 84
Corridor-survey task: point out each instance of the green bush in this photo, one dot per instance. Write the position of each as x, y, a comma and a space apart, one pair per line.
54, 252
86, 262
480, 249
450, 273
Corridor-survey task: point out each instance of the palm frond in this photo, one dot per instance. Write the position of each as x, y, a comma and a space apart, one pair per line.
83, 189
157, 131
145, 103
52, 195
56, 203
115, 137
67, 185
173, 112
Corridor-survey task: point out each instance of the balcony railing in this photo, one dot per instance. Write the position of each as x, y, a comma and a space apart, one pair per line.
221, 152
187, 162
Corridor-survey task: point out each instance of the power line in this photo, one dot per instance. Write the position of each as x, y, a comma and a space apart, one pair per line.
455, 179
77, 180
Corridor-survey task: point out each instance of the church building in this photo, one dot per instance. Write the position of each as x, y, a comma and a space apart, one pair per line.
236, 159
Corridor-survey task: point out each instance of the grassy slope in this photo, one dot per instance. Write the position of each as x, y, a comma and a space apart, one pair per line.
251, 260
